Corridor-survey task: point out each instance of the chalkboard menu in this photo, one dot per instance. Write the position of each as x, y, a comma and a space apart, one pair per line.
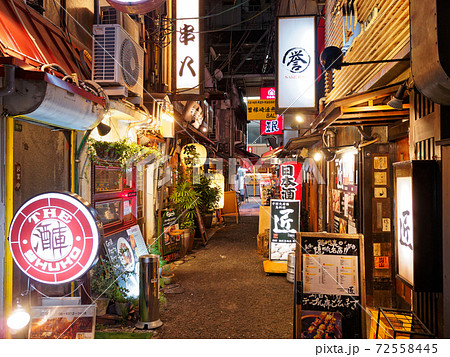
170, 243
330, 285
284, 225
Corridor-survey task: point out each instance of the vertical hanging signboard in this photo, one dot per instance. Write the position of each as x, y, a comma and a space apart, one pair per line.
330, 286
284, 224
291, 180
187, 46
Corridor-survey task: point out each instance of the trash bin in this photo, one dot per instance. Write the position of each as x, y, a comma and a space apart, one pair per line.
149, 292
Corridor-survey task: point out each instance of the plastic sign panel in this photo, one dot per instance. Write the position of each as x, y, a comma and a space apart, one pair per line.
187, 46
261, 109
272, 127
54, 237
291, 180
267, 93
405, 239
296, 63
284, 224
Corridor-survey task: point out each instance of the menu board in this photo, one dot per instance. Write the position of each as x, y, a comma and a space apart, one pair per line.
170, 244
62, 322
284, 224
124, 249
329, 271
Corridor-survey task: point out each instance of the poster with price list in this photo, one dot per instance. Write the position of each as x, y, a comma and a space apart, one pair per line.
329, 284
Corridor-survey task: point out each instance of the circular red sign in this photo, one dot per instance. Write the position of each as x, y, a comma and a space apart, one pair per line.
54, 237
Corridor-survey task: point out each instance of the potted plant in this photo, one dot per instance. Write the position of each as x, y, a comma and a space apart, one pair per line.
185, 200
209, 196
115, 153
105, 284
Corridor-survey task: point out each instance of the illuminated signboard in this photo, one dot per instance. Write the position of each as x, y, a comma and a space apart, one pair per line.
405, 231
54, 237
272, 127
418, 225
267, 93
188, 46
296, 63
291, 181
261, 109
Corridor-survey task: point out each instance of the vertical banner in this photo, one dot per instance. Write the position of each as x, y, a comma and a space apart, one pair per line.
284, 224
296, 63
291, 181
272, 127
188, 46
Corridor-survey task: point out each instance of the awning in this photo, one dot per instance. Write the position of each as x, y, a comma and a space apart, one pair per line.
271, 153
30, 37
368, 108
301, 142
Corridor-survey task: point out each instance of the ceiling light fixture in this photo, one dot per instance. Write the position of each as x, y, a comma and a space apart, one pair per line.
397, 101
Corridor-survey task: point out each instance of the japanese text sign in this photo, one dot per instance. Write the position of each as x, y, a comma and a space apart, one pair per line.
187, 45
272, 127
284, 224
54, 237
261, 109
296, 69
291, 180
404, 232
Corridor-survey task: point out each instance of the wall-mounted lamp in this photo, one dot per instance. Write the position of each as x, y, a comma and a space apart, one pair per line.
331, 58
329, 155
299, 119
19, 318
397, 101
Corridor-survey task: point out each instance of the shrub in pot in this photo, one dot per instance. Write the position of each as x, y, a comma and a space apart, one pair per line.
209, 196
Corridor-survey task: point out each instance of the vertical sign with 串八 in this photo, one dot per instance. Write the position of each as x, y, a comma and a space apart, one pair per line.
284, 224
187, 46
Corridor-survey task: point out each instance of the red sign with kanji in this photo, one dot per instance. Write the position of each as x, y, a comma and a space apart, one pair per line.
272, 127
291, 181
381, 262
54, 237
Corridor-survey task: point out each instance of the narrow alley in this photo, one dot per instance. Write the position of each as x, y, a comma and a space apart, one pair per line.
223, 291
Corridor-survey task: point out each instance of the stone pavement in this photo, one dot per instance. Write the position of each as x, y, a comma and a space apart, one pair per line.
222, 291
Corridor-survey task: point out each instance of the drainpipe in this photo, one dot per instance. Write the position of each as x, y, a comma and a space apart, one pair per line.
10, 83
9, 212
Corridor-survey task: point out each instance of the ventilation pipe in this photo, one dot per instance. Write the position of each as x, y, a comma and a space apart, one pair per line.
10, 83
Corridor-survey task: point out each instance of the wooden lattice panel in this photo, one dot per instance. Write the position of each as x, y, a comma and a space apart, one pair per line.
385, 38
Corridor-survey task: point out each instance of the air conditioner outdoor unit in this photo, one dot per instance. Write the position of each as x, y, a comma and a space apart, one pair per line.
118, 61
239, 136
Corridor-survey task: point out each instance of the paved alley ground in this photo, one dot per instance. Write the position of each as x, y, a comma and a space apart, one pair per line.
224, 292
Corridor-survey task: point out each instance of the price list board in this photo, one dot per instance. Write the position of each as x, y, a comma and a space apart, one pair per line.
330, 286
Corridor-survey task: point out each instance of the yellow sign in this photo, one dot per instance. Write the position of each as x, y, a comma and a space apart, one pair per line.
261, 109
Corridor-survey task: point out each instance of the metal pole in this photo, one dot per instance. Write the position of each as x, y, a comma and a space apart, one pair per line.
149, 292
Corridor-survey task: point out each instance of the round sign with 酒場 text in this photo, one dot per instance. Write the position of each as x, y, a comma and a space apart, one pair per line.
54, 237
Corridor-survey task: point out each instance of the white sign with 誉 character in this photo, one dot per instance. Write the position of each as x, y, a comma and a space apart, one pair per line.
284, 224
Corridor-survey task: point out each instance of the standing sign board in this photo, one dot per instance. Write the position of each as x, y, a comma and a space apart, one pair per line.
330, 286
54, 237
124, 249
171, 244
284, 224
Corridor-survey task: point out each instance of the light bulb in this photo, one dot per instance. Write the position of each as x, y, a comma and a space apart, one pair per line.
318, 156
299, 119
18, 319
